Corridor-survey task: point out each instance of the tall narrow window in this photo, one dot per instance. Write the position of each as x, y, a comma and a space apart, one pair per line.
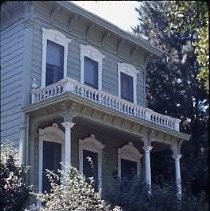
91, 66
54, 63
128, 169
51, 161
128, 161
91, 72
54, 56
127, 82
90, 166
90, 160
126, 87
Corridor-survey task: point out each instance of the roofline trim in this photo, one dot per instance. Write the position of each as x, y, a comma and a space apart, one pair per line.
110, 27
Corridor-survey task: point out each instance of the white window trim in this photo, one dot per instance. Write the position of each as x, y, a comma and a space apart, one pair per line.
129, 152
93, 145
50, 134
56, 37
131, 71
94, 54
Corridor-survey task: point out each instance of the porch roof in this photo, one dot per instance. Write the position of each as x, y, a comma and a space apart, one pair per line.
69, 97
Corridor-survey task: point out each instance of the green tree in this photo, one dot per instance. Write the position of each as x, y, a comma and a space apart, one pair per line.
173, 87
192, 18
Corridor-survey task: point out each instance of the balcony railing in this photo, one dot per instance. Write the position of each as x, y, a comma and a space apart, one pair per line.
104, 99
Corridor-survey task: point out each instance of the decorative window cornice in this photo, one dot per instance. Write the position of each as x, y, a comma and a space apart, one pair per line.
92, 144
129, 152
94, 54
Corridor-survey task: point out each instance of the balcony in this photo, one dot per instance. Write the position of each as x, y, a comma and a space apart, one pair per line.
104, 99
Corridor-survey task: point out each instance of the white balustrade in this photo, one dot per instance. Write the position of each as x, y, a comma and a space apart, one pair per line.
69, 85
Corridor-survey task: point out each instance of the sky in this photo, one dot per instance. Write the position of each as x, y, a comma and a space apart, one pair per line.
120, 13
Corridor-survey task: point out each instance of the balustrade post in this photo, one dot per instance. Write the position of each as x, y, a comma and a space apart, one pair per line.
68, 86
147, 115
176, 125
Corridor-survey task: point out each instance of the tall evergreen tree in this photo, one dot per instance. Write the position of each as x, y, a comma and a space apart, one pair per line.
173, 87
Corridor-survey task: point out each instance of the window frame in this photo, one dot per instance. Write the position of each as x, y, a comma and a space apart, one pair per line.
130, 71
131, 153
50, 134
58, 38
94, 54
92, 144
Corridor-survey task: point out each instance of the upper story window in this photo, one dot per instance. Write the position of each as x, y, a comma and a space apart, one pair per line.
127, 81
90, 72
91, 66
54, 56
54, 63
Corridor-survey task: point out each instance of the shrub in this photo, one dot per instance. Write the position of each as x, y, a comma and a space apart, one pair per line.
13, 190
74, 193
132, 195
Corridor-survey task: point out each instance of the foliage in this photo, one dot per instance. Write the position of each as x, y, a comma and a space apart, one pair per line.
173, 88
74, 193
13, 189
192, 18
134, 194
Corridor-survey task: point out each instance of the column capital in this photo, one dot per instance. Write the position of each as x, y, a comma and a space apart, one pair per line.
176, 156
147, 148
68, 125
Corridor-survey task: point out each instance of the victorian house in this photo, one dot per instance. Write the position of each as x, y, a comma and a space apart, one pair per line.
72, 88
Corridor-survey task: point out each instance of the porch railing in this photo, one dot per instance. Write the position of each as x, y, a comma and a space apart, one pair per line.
104, 99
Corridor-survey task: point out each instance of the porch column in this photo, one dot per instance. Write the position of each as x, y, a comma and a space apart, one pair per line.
67, 143
176, 158
22, 144
147, 150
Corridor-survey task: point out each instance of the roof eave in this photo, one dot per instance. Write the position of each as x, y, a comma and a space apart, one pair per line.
110, 27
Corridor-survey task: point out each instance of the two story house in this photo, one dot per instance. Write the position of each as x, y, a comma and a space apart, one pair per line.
73, 91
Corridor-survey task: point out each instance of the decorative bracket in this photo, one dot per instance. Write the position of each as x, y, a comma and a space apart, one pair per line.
56, 8
134, 50
88, 29
121, 40
71, 19
105, 34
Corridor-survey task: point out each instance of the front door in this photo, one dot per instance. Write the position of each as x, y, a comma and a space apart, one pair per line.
51, 161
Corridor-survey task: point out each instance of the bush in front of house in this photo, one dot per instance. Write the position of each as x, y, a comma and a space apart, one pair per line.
72, 193
13, 189
135, 194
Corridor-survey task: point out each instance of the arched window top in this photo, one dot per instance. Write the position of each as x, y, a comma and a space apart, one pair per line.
129, 152
91, 143
128, 69
52, 133
91, 52
55, 36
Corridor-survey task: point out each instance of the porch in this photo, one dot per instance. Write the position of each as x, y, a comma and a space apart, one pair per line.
119, 134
